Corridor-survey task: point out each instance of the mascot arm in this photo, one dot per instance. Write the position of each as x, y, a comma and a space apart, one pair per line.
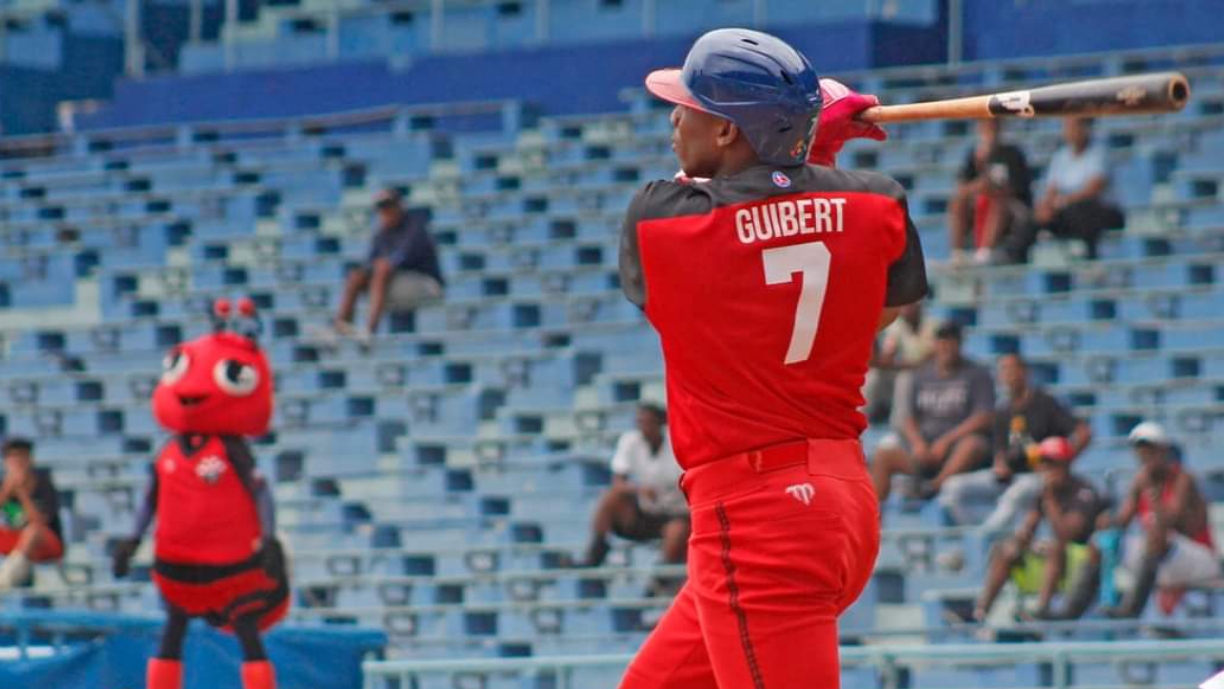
125, 549
148, 509
244, 463
266, 508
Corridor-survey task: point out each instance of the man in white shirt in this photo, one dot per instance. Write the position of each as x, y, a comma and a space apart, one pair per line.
645, 501
1074, 202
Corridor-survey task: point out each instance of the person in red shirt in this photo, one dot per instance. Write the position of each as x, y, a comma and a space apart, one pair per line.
767, 284
1175, 550
29, 506
215, 551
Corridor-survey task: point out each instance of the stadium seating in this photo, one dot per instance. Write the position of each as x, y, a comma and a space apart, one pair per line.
431, 483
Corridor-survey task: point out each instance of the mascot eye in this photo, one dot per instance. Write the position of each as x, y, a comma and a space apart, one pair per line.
174, 366
235, 378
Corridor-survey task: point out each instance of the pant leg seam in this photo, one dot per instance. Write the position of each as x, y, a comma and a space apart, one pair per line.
741, 617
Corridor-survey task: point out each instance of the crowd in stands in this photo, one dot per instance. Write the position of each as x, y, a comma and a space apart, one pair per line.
953, 442
994, 211
951, 439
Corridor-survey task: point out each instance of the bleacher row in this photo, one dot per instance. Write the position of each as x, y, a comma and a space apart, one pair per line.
298, 32
432, 484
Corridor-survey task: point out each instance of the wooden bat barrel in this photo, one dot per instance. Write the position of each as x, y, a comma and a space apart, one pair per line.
1140, 94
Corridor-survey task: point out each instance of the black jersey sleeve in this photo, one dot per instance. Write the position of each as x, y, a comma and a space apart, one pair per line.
660, 199
632, 281
907, 278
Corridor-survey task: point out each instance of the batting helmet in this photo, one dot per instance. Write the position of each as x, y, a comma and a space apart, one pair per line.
757, 81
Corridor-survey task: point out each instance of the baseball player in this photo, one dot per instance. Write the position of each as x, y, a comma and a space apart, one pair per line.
767, 284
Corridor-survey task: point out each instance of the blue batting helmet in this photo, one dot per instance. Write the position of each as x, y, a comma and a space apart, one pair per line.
757, 81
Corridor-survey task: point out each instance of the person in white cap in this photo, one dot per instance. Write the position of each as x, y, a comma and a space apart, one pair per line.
1175, 550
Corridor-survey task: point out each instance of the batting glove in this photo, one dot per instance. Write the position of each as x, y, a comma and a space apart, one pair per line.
838, 124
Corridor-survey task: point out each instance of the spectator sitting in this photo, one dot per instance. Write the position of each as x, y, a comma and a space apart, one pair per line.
951, 407
993, 195
1071, 506
1074, 202
645, 501
1027, 417
1175, 550
30, 507
402, 266
904, 346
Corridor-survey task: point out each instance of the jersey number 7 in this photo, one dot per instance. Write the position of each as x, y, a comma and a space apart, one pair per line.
812, 261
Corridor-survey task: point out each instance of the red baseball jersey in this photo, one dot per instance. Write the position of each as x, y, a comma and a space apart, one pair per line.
206, 513
766, 288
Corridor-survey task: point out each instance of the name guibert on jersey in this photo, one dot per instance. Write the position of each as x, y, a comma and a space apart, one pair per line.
788, 218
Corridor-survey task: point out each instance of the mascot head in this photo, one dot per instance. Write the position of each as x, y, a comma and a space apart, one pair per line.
218, 384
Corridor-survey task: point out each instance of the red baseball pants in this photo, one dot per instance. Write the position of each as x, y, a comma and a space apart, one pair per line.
784, 540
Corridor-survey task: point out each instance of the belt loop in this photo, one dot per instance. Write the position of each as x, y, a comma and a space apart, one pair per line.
754, 460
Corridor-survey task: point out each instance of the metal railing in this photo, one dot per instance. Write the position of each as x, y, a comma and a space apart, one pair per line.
505, 115
892, 663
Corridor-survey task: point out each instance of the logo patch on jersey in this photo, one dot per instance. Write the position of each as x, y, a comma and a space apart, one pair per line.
781, 180
210, 469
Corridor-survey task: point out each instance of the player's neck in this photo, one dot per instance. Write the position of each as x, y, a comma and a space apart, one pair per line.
735, 161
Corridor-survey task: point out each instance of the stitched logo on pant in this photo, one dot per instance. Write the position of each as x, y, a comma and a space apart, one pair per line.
802, 492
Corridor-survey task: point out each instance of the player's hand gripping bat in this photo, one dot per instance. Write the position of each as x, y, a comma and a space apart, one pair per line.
1141, 94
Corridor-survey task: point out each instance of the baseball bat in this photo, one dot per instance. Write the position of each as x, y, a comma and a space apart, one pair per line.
1141, 94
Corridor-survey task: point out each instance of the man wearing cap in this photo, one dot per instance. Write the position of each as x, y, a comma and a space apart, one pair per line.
402, 266
1028, 416
951, 406
1070, 505
767, 282
1175, 550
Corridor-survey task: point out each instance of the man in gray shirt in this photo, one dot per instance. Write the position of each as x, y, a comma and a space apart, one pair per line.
946, 434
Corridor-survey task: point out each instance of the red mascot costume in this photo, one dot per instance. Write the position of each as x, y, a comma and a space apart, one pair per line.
215, 551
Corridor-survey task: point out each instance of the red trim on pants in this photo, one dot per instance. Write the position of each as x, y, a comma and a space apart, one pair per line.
784, 540
49, 548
